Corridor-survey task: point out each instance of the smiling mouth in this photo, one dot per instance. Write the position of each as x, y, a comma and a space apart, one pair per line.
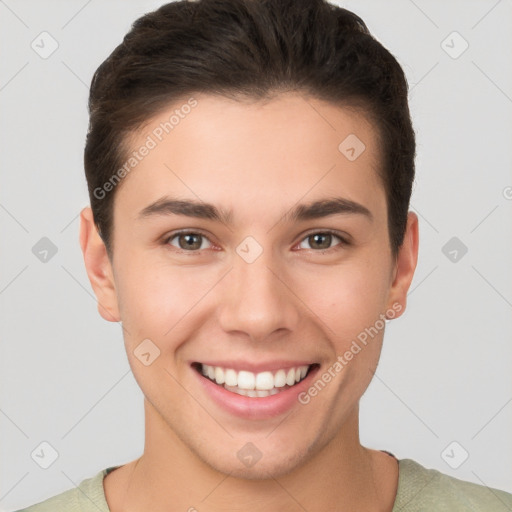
255, 385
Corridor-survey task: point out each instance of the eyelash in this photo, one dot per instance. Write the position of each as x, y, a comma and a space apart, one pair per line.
343, 240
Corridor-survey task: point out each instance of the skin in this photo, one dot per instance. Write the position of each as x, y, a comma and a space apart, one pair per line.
296, 301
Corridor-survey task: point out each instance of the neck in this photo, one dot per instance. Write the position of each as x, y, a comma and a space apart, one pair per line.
341, 476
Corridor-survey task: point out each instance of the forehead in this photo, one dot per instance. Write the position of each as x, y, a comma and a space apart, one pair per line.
248, 151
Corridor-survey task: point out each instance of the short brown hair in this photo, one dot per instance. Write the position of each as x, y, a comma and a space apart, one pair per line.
252, 49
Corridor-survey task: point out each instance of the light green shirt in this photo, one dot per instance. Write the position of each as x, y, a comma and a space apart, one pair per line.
419, 490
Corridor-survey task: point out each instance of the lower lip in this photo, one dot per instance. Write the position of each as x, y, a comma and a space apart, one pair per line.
257, 407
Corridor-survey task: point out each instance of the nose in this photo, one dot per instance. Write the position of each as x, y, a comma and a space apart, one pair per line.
257, 301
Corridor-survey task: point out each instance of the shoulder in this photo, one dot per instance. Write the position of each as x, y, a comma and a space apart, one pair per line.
89, 496
422, 489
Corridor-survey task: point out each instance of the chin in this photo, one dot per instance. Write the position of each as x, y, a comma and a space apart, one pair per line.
275, 464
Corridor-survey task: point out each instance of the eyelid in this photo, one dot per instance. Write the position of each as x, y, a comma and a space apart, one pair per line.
168, 237
344, 239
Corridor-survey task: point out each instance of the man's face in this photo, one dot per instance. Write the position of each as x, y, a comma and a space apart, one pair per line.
261, 291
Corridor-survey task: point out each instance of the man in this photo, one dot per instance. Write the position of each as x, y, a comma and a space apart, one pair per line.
250, 165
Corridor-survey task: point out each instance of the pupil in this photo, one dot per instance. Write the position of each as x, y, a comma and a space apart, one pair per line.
327, 238
191, 241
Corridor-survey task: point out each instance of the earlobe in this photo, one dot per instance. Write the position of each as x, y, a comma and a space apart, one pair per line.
405, 266
98, 267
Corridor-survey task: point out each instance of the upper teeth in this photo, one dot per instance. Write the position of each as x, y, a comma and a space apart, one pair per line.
249, 380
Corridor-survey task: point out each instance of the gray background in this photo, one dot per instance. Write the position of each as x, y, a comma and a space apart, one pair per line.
445, 370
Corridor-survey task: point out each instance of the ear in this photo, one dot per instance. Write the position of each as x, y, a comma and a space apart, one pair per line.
98, 266
404, 267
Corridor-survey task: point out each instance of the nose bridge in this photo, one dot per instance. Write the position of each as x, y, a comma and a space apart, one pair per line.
256, 300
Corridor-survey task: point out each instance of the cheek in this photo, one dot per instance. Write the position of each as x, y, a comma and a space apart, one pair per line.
147, 298
155, 299
347, 299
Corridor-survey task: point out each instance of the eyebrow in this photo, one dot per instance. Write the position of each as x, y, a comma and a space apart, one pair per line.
198, 209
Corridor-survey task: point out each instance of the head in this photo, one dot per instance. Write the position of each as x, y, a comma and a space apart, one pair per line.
287, 124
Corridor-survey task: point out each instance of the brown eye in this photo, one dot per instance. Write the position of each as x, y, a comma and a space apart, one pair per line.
322, 240
188, 241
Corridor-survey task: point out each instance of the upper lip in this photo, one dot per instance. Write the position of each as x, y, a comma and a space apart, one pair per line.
251, 366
